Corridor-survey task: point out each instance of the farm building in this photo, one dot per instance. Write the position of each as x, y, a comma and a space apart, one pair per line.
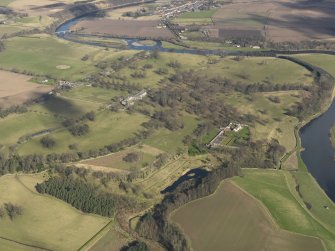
128, 101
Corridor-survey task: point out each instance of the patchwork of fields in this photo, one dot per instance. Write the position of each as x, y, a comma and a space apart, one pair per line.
233, 219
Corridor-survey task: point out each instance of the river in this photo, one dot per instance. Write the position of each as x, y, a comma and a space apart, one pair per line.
319, 152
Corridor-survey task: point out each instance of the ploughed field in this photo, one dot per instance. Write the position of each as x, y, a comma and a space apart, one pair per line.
123, 28
232, 219
16, 89
276, 21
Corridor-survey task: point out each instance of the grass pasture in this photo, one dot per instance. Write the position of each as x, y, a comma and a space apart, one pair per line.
92, 94
146, 155
45, 222
108, 128
170, 141
233, 219
198, 17
42, 54
326, 62
273, 189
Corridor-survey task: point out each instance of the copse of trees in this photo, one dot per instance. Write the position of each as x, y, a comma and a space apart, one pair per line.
48, 142
11, 210
84, 196
79, 129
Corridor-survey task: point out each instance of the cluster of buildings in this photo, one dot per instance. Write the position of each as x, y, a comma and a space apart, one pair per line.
174, 9
130, 100
232, 127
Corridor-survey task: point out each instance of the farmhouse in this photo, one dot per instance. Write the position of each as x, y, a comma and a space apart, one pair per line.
130, 100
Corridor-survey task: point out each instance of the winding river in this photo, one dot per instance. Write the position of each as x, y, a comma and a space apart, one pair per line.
319, 152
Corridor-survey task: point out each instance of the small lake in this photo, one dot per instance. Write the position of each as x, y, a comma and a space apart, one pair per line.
319, 152
196, 173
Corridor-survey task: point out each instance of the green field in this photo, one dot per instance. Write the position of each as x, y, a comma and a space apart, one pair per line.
92, 94
5, 2
197, 17
326, 62
170, 141
45, 55
108, 128
233, 220
273, 190
145, 153
45, 222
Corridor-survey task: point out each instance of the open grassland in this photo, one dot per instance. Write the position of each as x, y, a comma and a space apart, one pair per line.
92, 94
17, 125
16, 89
64, 107
326, 62
45, 222
145, 153
7, 245
5, 2
260, 70
199, 17
274, 191
233, 219
42, 54
251, 70
272, 120
107, 128
170, 141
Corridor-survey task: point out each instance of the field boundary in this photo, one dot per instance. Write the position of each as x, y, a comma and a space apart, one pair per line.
23, 244
273, 220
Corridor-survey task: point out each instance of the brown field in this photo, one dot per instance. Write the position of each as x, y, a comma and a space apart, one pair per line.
232, 219
124, 28
39, 7
279, 21
16, 89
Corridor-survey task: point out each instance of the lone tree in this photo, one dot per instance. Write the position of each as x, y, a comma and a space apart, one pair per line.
48, 142
13, 210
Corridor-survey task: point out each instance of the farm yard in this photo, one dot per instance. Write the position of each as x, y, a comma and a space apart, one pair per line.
16, 89
221, 219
